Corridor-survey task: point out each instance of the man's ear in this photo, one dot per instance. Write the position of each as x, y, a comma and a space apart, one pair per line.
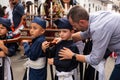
72, 31
82, 21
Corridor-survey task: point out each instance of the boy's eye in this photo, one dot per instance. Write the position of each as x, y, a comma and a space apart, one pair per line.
64, 31
2, 28
33, 27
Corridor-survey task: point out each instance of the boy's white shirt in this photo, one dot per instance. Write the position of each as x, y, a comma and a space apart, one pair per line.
7, 70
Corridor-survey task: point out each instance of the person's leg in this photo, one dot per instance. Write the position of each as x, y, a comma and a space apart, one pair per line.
116, 73
11, 73
89, 73
56, 78
81, 70
25, 75
23, 56
0, 73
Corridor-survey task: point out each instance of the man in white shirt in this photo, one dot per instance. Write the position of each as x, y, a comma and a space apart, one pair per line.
9, 10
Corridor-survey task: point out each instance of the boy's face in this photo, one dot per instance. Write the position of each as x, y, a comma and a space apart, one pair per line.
65, 34
3, 30
36, 30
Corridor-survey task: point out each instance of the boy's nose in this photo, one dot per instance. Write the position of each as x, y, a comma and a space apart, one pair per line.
31, 31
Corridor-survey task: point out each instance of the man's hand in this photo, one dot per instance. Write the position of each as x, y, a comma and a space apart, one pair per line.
50, 61
76, 36
65, 53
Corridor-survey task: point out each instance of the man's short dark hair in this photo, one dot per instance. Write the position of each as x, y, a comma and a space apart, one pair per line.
77, 13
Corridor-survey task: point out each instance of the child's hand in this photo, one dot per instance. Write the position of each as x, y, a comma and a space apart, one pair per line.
2, 54
45, 45
1, 42
3, 47
26, 41
50, 61
56, 40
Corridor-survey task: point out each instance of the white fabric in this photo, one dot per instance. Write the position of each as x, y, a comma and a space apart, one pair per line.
1, 62
80, 45
7, 74
65, 75
101, 69
17, 31
9, 12
41, 1
7, 70
76, 74
38, 64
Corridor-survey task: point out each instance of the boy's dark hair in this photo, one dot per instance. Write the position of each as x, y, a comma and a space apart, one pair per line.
63, 23
5, 22
77, 13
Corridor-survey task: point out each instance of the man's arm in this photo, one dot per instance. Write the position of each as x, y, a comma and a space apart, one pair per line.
22, 20
20, 11
66, 53
76, 36
80, 57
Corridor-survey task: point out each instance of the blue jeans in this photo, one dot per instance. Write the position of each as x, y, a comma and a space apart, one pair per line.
116, 73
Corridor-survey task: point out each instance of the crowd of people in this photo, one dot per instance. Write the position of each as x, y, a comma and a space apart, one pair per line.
83, 38
10, 20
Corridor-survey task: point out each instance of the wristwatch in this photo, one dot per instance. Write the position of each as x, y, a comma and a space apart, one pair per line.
74, 57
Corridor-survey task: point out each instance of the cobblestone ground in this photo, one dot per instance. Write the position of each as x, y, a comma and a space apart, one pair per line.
18, 68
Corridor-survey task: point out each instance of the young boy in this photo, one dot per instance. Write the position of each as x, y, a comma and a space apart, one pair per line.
5, 50
36, 64
64, 68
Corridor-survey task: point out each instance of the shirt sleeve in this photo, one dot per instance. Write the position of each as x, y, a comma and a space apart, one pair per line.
101, 38
20, 9
26, 48
85, 34
36, 51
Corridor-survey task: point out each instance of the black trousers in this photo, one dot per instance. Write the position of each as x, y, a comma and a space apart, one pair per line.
1, 73
90, 73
